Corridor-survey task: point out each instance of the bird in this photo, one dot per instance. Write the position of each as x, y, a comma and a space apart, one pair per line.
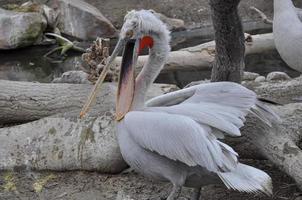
287, 31
176, 137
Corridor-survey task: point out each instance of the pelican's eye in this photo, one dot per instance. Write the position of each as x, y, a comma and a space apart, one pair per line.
129, 33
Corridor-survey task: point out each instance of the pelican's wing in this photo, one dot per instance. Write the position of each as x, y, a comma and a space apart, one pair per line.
222, 105
179, 138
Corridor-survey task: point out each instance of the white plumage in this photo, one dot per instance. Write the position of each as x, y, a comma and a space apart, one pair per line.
175, 137
287, 29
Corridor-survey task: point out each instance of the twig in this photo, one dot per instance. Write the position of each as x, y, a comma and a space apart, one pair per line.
262, 15
52, 51
64, 45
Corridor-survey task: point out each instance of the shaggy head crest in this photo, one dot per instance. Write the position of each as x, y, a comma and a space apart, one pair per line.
143, 23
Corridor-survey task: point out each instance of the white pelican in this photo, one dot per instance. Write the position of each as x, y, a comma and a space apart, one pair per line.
174, 137
287, 29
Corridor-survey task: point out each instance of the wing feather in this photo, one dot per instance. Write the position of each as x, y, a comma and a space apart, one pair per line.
221, 105
180, 138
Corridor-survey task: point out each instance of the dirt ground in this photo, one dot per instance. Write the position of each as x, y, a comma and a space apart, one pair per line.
126, 186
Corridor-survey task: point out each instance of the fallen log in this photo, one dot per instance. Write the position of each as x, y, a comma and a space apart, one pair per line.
25, 101
69, 143
62, 143
200, 57
280, 144
65, 142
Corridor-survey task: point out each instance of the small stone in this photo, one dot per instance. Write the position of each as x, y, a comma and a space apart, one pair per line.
277, 76
249, 76
260, 79
73, 77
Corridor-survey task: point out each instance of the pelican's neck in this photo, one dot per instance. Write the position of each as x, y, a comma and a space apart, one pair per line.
157, 58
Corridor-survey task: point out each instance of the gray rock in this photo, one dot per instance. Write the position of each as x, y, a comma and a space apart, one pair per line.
277, 76
260, 79
82, 20
249, 76
20, 29
50, 15
75, 77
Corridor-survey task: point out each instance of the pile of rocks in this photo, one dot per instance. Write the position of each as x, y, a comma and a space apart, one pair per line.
24, 25
272, 76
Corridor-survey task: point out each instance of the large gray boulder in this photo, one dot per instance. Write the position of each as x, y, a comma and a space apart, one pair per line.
20, 29
82, 20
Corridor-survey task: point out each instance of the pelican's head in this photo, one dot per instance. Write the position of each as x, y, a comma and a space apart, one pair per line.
141, 29
144, 23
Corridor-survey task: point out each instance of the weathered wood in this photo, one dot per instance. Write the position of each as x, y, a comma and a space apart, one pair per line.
62, 143
26, 101
201, 57
279, 144
68, 143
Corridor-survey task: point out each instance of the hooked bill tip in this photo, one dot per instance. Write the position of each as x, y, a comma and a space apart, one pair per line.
82, 114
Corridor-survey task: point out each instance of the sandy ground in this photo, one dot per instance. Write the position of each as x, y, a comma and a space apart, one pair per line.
126, 186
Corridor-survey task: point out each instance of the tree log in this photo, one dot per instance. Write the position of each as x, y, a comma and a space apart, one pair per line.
62, 143
68, 143
201, 57
25, 101
280, 144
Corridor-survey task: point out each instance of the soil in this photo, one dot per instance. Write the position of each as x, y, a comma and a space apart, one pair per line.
125, 186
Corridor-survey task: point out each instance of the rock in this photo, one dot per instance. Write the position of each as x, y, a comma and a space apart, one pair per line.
75, 77
82, 20
50, 15
260, 79
20, 29
172, 23
249, 76
277, 76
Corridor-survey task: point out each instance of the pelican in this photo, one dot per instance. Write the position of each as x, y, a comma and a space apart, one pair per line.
175, 137
287, 30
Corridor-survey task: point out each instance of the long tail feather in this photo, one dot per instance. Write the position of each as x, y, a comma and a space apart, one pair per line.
247, 179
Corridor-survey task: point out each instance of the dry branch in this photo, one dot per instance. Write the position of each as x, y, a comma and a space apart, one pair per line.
262, 15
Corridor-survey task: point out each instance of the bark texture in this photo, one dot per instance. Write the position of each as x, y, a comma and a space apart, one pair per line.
25, 101
229, 37
280, 144
201, 57
62, 143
